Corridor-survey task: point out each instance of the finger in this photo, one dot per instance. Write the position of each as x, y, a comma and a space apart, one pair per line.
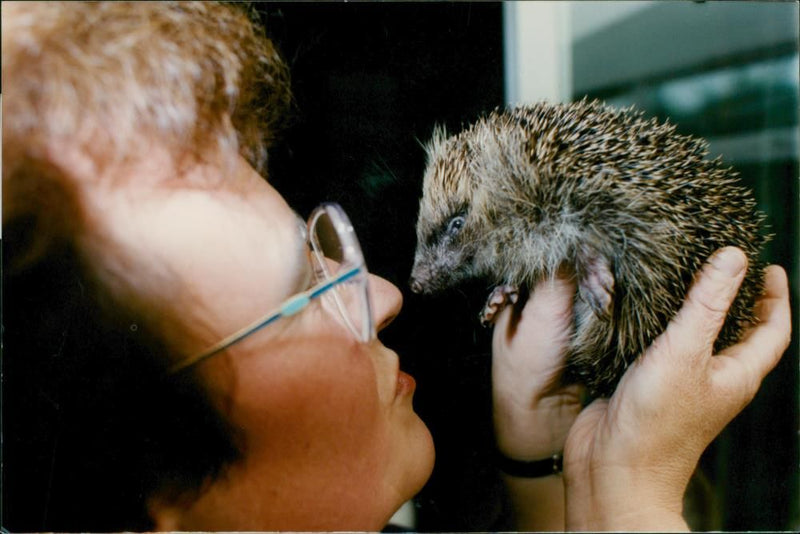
551, 299
695, 327
763, 345
547, 309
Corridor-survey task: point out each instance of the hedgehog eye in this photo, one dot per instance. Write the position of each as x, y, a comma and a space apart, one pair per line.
455, 225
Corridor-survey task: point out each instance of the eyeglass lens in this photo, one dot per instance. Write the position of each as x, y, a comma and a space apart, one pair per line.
335, 252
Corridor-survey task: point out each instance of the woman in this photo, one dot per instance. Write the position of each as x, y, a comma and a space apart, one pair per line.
198, 358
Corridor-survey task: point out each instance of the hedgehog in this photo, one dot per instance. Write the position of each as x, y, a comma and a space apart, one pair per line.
632, 208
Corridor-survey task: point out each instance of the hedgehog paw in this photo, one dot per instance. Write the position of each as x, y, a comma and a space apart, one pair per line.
499, 298
597, 287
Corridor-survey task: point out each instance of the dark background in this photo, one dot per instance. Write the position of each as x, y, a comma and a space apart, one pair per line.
370, 82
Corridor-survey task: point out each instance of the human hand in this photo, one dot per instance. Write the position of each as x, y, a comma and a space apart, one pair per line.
629, 458
533, 411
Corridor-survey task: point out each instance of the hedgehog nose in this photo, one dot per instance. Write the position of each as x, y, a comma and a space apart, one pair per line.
415, 284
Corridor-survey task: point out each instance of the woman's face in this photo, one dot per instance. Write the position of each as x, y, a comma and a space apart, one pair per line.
329, 436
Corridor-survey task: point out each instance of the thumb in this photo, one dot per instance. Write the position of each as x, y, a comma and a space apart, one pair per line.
698, 322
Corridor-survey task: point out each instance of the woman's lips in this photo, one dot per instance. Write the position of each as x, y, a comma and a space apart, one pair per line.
405, 384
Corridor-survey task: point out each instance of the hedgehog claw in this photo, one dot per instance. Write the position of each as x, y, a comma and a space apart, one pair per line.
499, 298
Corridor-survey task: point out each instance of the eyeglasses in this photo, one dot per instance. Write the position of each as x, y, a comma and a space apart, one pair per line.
341, 280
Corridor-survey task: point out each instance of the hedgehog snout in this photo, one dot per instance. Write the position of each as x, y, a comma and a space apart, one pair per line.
422, 277
416, 285
417, 280
423, 286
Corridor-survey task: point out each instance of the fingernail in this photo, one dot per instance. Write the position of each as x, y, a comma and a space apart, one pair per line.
730, 261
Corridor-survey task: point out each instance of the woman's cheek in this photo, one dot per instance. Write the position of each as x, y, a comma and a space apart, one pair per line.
317, 389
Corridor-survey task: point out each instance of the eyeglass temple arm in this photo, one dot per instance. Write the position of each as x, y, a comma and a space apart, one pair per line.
291, 306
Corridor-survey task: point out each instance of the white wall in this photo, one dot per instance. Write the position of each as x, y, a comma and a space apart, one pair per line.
537, 52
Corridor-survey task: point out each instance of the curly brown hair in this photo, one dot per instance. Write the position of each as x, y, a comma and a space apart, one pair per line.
93, 428
192, 74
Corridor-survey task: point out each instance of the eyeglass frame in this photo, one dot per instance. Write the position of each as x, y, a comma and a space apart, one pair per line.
299, 301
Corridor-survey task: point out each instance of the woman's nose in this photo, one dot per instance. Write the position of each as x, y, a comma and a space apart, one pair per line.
387, 300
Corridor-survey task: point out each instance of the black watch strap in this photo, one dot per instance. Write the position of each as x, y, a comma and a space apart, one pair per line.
535, 469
